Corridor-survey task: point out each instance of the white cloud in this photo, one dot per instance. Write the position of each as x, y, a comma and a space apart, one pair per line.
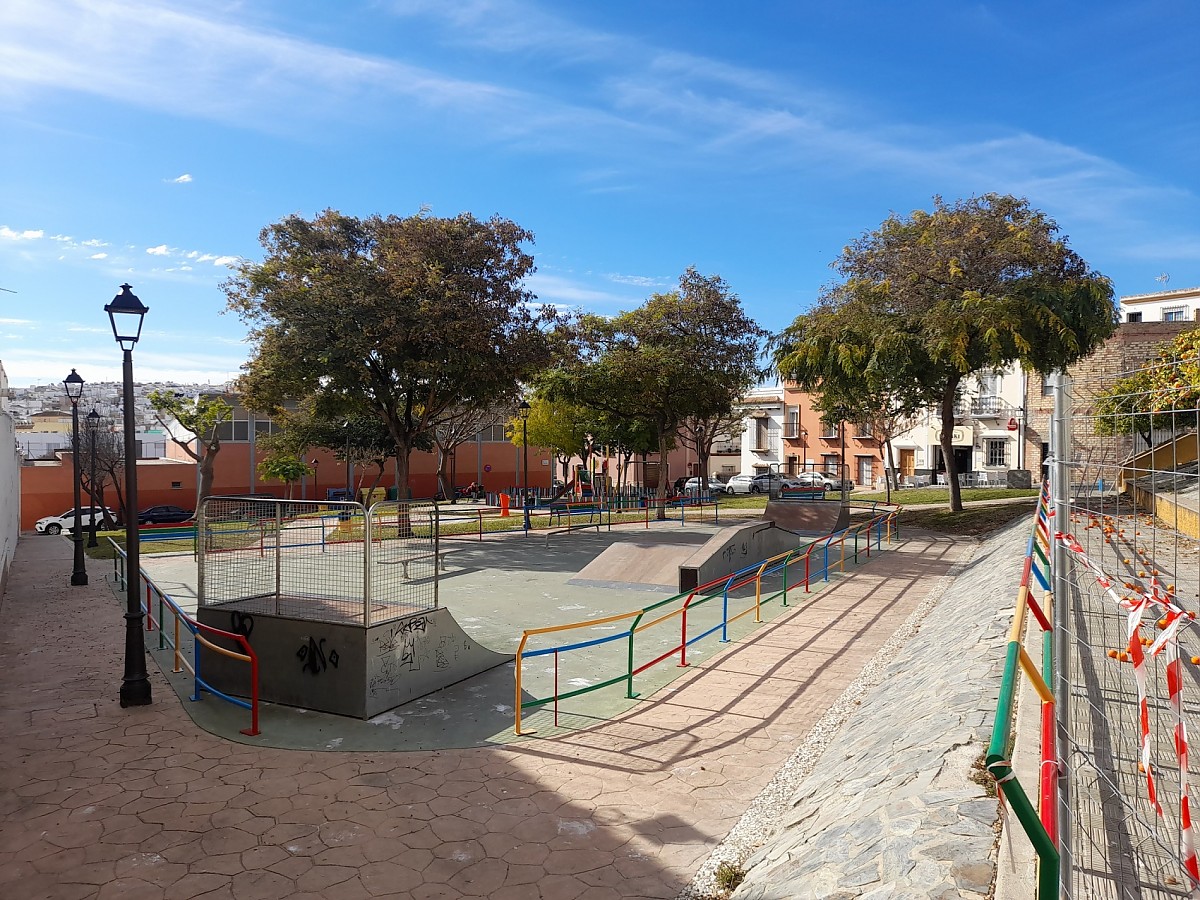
16, 322
94, 242
160, 250
558, 291
185, 178
98, 256
9, 235
225, 260
645, 281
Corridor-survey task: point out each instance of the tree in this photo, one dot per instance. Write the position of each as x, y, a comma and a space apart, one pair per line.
687, 353
285, 468
110, 469
700, 433
200, 416
407, 318
933, 297
562, 427
1144, 401
457, 426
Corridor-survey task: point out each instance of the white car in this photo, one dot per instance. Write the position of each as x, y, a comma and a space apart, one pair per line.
817, 480
741, 484
66, 521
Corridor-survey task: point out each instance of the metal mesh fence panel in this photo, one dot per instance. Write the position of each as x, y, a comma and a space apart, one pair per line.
326, 562
1132, 496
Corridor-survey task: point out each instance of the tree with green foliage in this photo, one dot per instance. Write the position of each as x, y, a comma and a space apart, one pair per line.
285, 468
406, 318
202, 417
687, 353
1145, 401
563, 428
932, 297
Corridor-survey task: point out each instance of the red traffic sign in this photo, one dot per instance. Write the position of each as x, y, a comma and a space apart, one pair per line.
1012, 424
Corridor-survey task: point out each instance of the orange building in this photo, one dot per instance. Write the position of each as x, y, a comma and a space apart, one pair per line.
490, 460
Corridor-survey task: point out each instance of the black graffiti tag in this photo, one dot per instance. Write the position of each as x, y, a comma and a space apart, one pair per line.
313, 658
241, 623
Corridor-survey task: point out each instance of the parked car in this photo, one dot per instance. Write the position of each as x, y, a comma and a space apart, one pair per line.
159, 515
764, 481
741, 484
66, 521
818, 480
693, 485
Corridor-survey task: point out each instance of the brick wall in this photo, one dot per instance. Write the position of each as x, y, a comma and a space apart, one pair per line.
1134, 345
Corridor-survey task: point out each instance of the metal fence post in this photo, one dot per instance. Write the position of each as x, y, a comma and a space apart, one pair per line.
1060, 491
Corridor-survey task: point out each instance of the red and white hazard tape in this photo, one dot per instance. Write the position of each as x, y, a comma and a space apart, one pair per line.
1168, 639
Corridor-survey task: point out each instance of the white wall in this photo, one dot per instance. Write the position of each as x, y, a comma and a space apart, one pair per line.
10, 495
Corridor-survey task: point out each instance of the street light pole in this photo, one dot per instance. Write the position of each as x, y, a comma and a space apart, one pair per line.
349, 482
93, 423
523, 411
125, 313
74, 388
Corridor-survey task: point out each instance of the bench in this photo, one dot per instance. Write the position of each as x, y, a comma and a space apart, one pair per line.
439, 558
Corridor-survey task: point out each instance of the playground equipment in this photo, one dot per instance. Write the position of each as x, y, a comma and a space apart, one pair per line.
339, 602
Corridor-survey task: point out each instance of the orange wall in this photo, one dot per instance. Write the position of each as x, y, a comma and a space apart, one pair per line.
46, 490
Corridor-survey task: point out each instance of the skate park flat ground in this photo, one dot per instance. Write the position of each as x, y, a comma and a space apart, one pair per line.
495, 589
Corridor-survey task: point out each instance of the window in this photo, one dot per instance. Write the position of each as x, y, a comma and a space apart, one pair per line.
1047, 387
1175, 314
1133, 317
863, 430
176, 485
492, 434
829, 430
761, 432
792, 420
989, 385
997, 452
829, 463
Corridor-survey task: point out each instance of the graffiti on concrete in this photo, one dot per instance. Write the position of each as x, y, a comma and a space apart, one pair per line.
314, 659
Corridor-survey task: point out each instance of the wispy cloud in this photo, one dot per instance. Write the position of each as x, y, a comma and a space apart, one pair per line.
160, 250
98, 256
644, 281
560, 291
185, 178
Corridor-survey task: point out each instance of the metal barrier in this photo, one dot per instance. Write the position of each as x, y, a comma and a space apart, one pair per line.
864, 535
1041, 825
201, 633
478, 523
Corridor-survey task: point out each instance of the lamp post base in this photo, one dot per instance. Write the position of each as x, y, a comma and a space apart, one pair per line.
79, 578
135, 693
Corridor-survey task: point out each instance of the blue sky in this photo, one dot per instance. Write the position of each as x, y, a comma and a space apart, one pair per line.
151, 142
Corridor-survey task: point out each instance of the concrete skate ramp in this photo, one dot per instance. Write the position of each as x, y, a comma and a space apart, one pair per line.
649, 563
808, 516
734, 548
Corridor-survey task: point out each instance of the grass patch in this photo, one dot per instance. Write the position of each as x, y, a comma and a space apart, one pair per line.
973, 522
729, 876
914, 496
981, 776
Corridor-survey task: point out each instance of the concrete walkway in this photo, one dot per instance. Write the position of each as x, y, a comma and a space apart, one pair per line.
140, 803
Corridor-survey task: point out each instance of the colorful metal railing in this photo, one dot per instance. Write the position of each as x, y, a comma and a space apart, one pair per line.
202, 634
817, 560
1040, 825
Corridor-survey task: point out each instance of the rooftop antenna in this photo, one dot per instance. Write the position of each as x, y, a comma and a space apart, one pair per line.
1163, 279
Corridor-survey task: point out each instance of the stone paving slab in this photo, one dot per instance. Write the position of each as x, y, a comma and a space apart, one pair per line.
102, 802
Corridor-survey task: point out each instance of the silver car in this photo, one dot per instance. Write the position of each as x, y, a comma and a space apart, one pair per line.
741, 484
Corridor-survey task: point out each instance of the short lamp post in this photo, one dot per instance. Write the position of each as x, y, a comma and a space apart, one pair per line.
73, 385
92, 426
314, 462
523, 412
126, 313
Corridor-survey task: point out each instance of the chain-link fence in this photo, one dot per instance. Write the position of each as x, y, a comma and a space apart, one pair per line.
328, 562
1129, 687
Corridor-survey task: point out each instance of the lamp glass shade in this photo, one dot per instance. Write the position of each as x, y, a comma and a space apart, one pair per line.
73, 384
523, 409
92, 420
125, 313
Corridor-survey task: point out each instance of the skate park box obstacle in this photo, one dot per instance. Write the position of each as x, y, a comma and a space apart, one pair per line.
339, 602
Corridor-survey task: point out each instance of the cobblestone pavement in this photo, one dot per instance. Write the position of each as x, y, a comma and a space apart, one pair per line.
97, 801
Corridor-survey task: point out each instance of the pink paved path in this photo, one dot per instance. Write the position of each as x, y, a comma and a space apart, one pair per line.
97, 801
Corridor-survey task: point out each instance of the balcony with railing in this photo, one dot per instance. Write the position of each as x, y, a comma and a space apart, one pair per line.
989, 407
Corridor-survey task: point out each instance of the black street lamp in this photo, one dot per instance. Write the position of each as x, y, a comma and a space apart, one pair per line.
523, 412
125, 313
349, 478
73, 385
92, 426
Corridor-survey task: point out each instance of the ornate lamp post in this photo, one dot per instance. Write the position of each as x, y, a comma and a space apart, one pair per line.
92, 426
523, 412
125, 313
73, 385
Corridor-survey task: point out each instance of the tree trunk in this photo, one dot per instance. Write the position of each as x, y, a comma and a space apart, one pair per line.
889, 477
947, 444
207, 465
664, 474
